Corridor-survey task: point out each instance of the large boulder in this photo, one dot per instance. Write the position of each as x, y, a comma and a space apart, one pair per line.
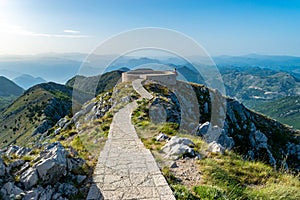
53, 164
179, 147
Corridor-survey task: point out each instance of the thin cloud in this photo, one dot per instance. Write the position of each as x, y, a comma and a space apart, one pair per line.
18, 30
71, 31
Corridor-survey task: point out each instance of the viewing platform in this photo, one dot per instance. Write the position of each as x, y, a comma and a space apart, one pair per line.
165, 77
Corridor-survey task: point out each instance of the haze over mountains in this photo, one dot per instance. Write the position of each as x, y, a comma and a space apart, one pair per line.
61, 67
26, 81
252, 79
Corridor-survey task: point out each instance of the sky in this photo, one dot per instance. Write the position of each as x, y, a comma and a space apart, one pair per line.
222, 27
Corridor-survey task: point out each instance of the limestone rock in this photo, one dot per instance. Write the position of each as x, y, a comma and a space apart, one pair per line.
178, 147
12, 150
226, 141
47, 193
61, 123
161, 137
203, 128
29, 178
53, 165
9, 189
22, 151
214, 147
67, 189
80, 178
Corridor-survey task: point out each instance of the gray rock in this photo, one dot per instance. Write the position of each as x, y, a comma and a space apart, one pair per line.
47, 193
32, 195
251, 154
53, 165
61, 123
57, 131
260, 139
9, 189
11, 150
22, 151
67, 125
80, 178
203, 128
214, 147
226, 141
67, 189
16, 163
23, 169
174, 165
43, 127
29, 178
2, 167
56, 196
178, 147
161, 137
75, 164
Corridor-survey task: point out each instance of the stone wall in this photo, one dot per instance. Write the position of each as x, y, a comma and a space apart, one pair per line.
165, 77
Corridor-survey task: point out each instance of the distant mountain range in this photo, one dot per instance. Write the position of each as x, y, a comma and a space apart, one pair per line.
69, 65
289, 64
26, 81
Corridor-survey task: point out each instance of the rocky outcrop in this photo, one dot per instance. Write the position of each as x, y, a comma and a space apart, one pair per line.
53, 174
54, 111
10, 191
53, 164
234, 127
18, 151
178, 147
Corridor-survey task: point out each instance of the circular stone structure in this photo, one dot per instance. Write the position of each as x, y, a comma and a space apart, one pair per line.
166, 77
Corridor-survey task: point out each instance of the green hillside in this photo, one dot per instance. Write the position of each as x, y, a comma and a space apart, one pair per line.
35, 111
9, 91
9, 88
257, 85
286, 110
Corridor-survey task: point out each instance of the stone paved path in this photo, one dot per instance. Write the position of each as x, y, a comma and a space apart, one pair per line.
126, 169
